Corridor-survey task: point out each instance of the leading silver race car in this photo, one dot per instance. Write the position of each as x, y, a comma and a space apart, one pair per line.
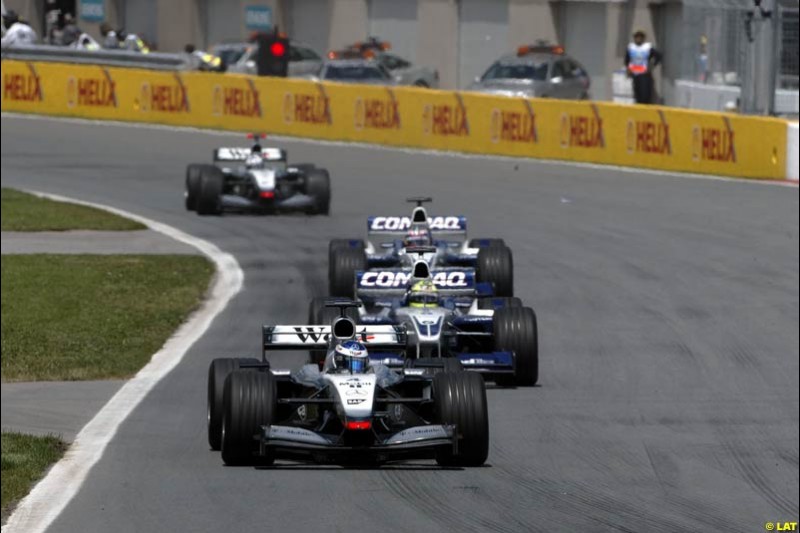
256, 179
354, 410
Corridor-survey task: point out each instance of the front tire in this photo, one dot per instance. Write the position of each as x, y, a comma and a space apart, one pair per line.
218, 371
516, 330
250, 402
193, 174
342, 269
496, 266
318, 186
209, 198
460, 398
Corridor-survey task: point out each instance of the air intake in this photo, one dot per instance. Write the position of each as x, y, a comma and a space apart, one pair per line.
419, 215
421, 270
344, 329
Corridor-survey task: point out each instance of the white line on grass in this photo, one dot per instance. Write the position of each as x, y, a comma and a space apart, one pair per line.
50, 496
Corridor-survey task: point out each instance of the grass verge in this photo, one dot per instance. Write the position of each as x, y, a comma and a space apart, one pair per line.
25, 212
80, 317
25, 459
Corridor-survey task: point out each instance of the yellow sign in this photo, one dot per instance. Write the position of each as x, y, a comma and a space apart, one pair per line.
628, 135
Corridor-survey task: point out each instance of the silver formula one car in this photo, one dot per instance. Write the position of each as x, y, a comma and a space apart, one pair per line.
256, 180
443, 236
352, 410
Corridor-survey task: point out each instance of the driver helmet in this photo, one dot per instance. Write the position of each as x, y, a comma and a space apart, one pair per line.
350, 356
418, 235
423, 294
254, 160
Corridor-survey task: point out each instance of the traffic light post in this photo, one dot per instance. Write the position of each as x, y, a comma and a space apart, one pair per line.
272, 58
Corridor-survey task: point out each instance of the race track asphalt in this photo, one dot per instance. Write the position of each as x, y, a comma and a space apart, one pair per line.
668, 315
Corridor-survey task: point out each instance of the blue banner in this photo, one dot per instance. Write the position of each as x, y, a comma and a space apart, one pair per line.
258, 18
93, 10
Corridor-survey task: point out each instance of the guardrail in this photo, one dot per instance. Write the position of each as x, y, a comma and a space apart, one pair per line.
655, 137
108, 58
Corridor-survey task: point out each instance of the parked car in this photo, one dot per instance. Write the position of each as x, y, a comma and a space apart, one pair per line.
240, 58
539, 70
403, 71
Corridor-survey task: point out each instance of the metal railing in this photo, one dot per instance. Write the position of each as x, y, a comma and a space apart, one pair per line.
114, 58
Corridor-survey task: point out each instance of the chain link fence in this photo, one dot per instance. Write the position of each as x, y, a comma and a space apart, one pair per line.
748, 50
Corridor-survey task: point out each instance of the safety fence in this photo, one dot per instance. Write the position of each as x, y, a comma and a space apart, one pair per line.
628, 135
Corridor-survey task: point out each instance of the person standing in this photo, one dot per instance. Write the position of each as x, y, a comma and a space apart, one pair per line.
18, 32
640, 59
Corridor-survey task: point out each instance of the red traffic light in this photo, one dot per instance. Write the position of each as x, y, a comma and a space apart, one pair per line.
277, 49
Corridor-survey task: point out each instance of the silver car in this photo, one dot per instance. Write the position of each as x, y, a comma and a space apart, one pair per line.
240, 58
362, 71
536, 71
403, 71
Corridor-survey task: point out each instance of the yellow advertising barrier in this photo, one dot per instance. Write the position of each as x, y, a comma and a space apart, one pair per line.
638, 136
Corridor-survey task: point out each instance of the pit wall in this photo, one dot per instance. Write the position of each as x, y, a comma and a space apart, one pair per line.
651, 137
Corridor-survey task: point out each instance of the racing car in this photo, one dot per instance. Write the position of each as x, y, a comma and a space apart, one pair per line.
353, 410
256, 180
450, 318
490, 258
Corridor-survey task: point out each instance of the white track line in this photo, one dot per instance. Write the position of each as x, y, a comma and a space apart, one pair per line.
50, 496
440, 153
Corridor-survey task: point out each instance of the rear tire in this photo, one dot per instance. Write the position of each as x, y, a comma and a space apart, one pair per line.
516, 330
250, 401
336, 244
460, 398
496, 265
218, 371
193, 173
318, 186
342, 268
209, 198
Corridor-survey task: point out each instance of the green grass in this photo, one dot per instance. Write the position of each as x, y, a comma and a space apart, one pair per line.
80, 317
25, 212
25, 459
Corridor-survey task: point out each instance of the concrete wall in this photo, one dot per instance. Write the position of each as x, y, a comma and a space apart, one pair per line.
446, 34
437, 39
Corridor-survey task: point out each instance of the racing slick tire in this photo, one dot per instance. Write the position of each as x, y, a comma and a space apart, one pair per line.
486, 243
496, 265
209, 197
193, 173
449, 364
250, 401
459, 398
342, 270
336, 244
504, 301
318, 186
218, 370
516, 330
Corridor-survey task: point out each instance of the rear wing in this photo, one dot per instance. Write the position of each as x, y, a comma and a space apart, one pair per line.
451, 281
375, 337
241, 154
453, 225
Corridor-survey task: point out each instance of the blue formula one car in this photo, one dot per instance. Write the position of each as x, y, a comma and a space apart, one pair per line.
451, 320
390, 237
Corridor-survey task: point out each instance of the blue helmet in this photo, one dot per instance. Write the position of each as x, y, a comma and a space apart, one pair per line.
351, 356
